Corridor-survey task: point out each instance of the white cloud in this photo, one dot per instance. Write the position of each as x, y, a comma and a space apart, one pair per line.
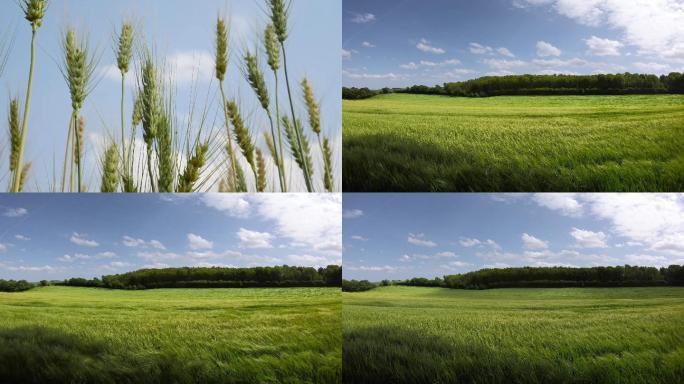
308, 260
603, 47
409, 66
22, 237
371, 76
134, 242
453, 265
352, 213
81, 239
480, 49
190, 66
367, 44
254, 239
420, 240
567, 204
231, 204
445, 254
83, 257
468, 242
346, 55
505, 52
546, 49
575, 62
359, 238
654, 26
589, 239
430, 64
425, 46
22, 268
197, 242
3, 248
384, 268
504, 64
531, 242
15, 212
363, 18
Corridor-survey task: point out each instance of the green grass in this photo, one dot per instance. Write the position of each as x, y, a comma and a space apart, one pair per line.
561, 335
81, 335
549, 143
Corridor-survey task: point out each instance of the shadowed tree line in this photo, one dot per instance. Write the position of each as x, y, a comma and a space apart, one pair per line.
539, 85
541, 277
15, 286
215, 277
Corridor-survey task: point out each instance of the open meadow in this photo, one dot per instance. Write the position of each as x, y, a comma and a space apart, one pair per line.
560, 335
401, 142
273, 335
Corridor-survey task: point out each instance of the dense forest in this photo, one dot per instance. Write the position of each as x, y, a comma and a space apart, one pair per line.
279, 276
541, 277
518, 85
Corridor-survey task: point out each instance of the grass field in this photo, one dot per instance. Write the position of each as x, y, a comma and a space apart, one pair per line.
80, 335
548, 143
581, 335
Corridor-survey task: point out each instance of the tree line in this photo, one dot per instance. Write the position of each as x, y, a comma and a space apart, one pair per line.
540, 277
215, 277
531, 85
549, 277
15, 286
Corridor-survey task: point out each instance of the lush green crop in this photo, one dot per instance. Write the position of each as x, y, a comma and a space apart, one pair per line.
550, 143
561, 335
66, 334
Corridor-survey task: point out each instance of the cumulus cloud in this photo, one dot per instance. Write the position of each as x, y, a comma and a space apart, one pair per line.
22, 237
254, 239
566, 204
425, 46
133, 242
531, 242
505, 52
359, 238
197, 242
546, 49
420, 240
502, 64
603, 47
233, 205
480, 49
367, 44
82, 240
346, 55
655, 27
589, 239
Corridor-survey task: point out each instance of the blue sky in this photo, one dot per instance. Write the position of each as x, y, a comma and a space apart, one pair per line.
182, 33
397, 236
55, 236
399, 43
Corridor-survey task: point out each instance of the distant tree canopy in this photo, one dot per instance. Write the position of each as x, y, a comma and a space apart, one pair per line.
357, 285
279, 276
518, 85
620, 276
420, 282
15, 286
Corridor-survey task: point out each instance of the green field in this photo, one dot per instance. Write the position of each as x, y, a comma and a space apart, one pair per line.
557, 335
81, 335
418, 143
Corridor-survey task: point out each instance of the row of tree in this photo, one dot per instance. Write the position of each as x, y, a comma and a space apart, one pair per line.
215, 277
528, 277
514, 85
357, 285
15, 286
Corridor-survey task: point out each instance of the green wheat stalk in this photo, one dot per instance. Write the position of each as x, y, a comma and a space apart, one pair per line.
34, 12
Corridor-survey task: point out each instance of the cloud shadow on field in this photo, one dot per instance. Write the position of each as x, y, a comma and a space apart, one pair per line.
36, 354
377, 162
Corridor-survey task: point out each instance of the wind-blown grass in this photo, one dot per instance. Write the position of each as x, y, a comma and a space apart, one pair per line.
65, 334
556, 335
549, 143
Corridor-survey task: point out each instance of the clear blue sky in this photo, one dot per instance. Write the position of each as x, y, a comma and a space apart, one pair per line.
55, 236
398, 236
398, 43
182, 33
